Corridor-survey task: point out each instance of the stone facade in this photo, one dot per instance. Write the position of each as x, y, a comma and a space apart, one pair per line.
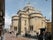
49, 27
28, 20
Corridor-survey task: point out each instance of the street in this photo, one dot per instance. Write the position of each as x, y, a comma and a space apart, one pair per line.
8, 36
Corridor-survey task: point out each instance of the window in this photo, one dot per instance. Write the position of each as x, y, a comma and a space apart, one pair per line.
25, 22
15, 28
25, 29
42, 23
31, 28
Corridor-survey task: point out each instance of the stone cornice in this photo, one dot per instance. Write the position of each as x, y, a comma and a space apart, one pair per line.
35, 13
14, 19
36, 16
14, 16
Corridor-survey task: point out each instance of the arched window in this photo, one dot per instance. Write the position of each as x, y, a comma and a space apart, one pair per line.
31, 28
25, 22
15, 28
25, 30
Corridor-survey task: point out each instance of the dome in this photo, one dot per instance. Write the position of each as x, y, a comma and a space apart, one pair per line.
29, 7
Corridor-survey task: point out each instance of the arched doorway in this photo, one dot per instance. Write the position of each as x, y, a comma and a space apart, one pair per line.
42, 30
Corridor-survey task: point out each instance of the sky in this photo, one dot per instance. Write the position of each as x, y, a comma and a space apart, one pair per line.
12, 7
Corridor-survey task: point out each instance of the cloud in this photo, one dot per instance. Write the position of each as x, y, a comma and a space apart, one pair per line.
7, 20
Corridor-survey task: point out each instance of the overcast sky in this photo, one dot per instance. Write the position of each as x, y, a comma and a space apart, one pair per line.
12, 6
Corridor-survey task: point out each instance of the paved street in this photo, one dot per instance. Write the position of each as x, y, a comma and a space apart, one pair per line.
9, 36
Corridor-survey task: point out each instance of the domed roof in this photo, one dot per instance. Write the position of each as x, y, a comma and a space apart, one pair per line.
29, 7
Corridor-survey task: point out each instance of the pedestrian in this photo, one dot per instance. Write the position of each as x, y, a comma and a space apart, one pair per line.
49, 36
46, 36
37, 35
40, 37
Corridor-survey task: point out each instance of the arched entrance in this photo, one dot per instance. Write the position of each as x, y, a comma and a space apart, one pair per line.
42, 30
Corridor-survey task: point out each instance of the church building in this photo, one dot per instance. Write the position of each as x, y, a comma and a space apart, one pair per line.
28, 20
